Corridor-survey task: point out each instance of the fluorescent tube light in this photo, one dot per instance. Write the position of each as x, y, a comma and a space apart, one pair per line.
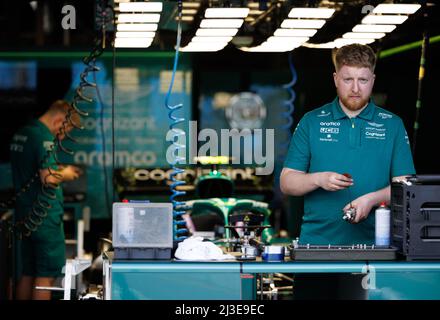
131, 34
302, 24
221, 23
363, 35
216, 32
396, 8
374, 28
139, 17
320, 13
133, 42
226, 12
280, 32
140, 7
384, 19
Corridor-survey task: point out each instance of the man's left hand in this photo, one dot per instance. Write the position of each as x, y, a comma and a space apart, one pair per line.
363, 206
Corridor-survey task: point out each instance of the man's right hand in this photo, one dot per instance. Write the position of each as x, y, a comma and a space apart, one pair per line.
332, 181
70, 173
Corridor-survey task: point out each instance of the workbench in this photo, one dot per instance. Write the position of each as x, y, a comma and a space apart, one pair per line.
236, 280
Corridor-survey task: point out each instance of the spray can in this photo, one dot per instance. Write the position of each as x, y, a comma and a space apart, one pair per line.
383, 220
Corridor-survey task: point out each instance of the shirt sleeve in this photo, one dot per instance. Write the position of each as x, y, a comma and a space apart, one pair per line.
298, 155
402, 161
41, 148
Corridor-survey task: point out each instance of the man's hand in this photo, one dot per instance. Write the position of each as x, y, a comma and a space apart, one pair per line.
70, 172
363, 206
332, 181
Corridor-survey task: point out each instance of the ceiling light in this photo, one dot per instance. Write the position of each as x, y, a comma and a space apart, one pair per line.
211, 39
363, 35
140, 7
189, 11
322, 13
198, 47
216, 32
374, 28
302, 24
137, 27
185, 18
396, 8
287, 39
151, 17
221, 23
187, 4
295, 32
340, 42
384, 19
133, 42
129, 34
226, 12
272, 47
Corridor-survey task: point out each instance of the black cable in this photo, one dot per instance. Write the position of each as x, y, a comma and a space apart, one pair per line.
103, 140
113, 108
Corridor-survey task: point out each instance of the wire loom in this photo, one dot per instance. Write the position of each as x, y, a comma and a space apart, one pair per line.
290, 107
40, 207
179, 223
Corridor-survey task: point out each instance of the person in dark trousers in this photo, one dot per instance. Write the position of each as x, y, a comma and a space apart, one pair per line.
42, 253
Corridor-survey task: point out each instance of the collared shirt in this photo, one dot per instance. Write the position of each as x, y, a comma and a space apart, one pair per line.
29, 153
372, 147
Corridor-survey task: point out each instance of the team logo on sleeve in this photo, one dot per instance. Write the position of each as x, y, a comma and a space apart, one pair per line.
47, 145
383, 115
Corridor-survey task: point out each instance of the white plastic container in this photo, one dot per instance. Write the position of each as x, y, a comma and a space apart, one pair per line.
383, 221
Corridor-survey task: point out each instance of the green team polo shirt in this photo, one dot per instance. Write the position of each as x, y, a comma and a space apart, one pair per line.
372, 147
28, 148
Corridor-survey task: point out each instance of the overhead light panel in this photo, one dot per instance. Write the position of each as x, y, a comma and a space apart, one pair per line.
226, 12
139, 17
211, 39
302, 24
187, 4
363, 35
217, 32
131, 34
221, 23
140, 7
280, 32
273, 39
133, 42
319, 13
137, 27
384, 19
340, 42
200, 47
374, 28
189, 11
398, 8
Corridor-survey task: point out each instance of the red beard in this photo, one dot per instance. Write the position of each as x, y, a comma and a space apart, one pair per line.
353, 104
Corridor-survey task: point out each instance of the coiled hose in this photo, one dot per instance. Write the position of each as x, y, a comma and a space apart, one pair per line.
179, 225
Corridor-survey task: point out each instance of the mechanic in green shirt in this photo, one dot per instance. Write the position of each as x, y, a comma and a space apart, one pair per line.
344, 155
350, 136
42, 253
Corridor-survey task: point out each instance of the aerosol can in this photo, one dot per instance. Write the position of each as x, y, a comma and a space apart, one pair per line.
383, 221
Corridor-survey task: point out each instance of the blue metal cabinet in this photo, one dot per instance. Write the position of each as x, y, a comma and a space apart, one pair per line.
176, 281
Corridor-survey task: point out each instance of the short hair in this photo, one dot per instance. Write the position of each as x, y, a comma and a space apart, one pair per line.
354, 55
62, 106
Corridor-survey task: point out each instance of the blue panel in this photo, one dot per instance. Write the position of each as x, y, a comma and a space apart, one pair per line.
303, 267
174, 266
404, 280
176, 286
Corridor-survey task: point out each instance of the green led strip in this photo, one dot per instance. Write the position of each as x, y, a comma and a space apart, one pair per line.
406, 47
